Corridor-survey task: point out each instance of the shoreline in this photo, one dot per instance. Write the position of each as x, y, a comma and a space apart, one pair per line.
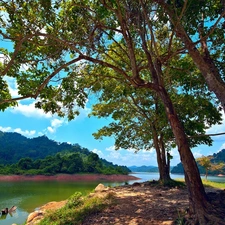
69, 177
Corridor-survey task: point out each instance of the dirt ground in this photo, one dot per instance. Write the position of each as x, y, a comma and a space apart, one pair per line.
144, 204
137, 204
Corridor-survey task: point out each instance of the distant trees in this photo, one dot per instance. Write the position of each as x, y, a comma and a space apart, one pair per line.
206, 163
15, 146
69, 163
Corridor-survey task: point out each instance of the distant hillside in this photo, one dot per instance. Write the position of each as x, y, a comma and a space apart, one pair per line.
14, 146
21, 155
143, 168
216, 158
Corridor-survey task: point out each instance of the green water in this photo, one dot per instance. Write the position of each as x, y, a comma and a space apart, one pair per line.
29, 195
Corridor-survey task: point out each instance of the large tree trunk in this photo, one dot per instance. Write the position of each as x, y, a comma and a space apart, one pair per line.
197, 196
166, 165
203, 61
164, 171
206, 65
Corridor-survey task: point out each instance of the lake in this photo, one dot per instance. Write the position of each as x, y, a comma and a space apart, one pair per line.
29, 195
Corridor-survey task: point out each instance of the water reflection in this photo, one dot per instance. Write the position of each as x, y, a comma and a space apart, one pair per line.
30, 194
147, 176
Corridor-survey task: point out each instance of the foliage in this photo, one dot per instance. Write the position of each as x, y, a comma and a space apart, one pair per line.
68, 163
205, 163
210, 165
61, 38
77, 209
15, 146
64, 158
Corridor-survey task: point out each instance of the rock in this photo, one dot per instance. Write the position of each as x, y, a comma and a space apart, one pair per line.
136, 184
34, 216
38, 215
100, 188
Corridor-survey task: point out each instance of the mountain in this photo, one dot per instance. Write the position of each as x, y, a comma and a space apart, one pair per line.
215, 158
144, 168
40, 155
14, 146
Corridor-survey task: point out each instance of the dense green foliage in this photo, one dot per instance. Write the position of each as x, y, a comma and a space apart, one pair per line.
216, 158
14, 146
20, 155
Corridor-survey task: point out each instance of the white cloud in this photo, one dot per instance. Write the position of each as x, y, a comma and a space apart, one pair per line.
30, 111
40, 133
18, 130
197, 154
111, 148
5, 129
98, 152
55, 123
222, 147
12, 87
25, 132
50, 129
127, 157
219, 128
4, 59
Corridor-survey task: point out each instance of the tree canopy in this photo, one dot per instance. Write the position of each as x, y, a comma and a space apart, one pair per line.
54, 40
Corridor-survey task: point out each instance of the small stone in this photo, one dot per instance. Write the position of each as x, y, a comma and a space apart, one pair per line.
34, 215
138, 211
100, 187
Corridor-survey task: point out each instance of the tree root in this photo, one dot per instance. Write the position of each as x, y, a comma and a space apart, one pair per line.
214, 214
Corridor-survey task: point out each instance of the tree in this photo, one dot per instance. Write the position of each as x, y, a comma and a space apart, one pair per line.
204, 40
140, 121
93, 163
60, 38
205, 161
25, 163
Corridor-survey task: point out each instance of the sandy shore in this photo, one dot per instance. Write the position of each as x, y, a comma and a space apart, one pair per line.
68, 177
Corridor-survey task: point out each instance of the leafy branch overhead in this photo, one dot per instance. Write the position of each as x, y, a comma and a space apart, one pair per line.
147, 53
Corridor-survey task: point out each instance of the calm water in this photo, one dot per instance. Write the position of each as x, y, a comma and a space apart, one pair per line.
29, 195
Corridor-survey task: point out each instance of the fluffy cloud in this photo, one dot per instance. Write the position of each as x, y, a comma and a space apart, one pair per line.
219, 128
29, 133
29, 110
5, 129
222, 147
127, 157
25, 132
55, 123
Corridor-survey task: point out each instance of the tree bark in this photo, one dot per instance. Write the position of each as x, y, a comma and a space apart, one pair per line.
164, 171
204, 62
197, 196
206, 65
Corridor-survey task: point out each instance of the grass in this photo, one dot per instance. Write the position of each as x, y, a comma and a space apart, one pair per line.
208, 183
77, 208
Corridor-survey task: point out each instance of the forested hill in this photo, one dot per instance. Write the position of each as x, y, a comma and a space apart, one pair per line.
14, 146
215, 158
21, 155
144, 168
